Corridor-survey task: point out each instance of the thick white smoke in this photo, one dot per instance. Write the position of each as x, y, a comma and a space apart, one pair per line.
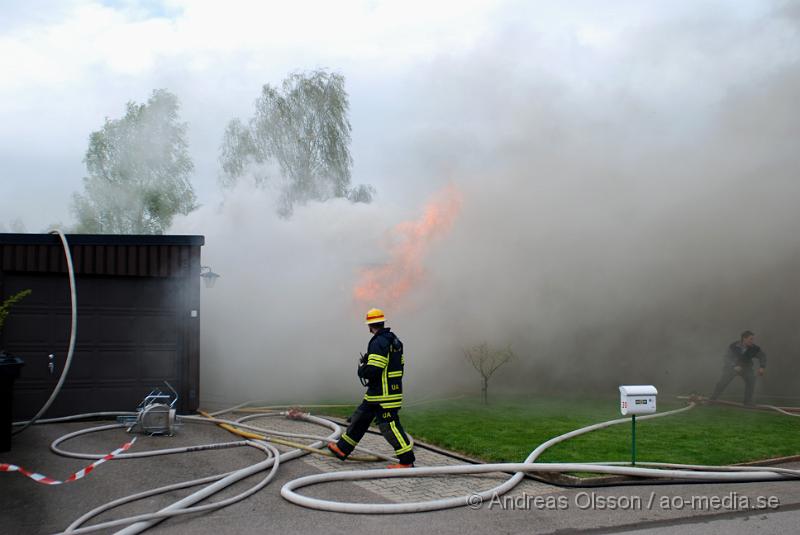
281, 322
624, 217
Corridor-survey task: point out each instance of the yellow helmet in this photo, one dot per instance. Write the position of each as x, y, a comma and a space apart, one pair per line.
375, 315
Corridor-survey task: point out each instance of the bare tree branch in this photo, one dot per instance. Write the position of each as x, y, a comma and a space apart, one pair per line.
486, 361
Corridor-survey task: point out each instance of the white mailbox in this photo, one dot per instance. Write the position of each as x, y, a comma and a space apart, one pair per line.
637, 399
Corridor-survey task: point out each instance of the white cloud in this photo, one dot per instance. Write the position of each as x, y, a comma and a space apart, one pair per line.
122, 41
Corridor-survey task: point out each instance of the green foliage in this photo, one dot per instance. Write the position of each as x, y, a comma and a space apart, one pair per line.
138, 171
5, 307
303, 130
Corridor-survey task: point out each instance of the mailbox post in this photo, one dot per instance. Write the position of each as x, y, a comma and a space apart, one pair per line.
633, 400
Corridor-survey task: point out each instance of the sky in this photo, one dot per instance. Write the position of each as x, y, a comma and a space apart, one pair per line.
627, 176
68, 65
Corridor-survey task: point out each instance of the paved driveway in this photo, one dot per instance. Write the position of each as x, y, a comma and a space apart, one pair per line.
532, 507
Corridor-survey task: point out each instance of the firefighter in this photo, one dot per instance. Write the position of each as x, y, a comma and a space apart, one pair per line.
381, 370
739, 361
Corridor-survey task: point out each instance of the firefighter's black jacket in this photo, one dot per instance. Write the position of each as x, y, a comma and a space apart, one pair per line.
383, 370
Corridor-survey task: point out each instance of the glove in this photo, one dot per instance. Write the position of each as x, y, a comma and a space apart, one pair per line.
361, 374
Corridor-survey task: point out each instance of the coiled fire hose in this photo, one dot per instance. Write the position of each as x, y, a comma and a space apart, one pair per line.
693, 472
260, 438
139, 523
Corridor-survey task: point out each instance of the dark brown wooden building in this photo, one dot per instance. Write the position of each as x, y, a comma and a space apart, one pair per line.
138, 319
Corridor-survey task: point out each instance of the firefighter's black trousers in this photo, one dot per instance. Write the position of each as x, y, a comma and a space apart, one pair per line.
389, 424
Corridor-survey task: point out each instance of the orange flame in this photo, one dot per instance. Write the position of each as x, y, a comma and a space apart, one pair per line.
412, 239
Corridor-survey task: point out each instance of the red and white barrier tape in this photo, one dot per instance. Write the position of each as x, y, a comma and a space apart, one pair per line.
44, 480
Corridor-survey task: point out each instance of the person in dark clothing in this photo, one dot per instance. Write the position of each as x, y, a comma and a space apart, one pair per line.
381, 371
739, 361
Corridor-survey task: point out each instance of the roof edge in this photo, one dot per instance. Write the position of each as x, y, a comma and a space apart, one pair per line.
102, 239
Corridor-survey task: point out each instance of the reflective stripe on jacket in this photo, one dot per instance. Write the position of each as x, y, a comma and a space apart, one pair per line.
383, 370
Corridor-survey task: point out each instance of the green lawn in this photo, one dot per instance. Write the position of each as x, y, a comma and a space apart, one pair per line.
508, 429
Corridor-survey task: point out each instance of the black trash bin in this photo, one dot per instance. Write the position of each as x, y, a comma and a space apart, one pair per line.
9, 371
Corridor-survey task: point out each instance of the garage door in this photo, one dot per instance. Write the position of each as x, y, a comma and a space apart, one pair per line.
130, 339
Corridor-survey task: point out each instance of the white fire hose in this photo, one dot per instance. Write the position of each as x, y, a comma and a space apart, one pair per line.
73, 333
140, 523
693, 472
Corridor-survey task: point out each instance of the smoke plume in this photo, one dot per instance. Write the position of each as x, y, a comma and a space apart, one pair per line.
621, 218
